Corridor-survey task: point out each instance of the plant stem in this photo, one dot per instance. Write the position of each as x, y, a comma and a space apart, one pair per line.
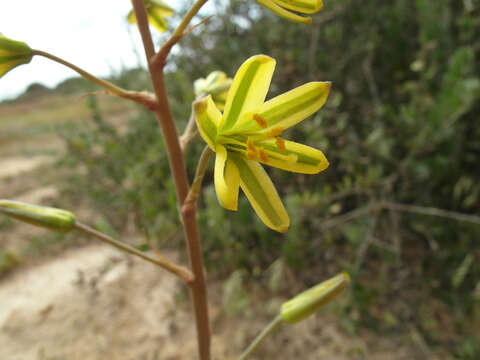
160, 58
193, 194
178, 270
140, 97
189, 132
259, 339
175, 157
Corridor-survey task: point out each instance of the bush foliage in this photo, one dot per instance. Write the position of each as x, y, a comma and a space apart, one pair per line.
400, 127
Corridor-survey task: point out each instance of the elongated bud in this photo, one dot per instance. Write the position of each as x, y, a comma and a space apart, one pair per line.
47, 217
12, 54
309, 301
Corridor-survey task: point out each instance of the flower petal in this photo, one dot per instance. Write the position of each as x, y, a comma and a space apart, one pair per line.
294, 157
207, 117
287, 109
162, 9
157, 21
227, 180
280, 11
261, 193
301, 6
249, 88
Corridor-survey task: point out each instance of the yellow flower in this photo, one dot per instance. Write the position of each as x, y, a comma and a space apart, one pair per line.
309, 301
216, 84
157, 11
12, 54
248, 133
282, 7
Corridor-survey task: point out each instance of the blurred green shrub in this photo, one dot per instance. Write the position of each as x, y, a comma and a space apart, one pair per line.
401, 126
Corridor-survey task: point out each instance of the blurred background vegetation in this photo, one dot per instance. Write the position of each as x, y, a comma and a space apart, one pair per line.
400, 130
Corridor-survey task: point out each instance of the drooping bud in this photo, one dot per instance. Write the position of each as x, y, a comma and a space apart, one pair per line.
309, 301
47, 217
12, 54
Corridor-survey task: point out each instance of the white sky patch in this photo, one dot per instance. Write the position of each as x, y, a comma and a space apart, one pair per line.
92, 34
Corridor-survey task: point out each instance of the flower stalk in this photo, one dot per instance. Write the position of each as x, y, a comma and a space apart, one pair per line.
144, 98
175, 269
177, 165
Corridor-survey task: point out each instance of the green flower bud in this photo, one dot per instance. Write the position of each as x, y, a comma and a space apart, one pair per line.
216, 84
309, 301
47, 217
12, 54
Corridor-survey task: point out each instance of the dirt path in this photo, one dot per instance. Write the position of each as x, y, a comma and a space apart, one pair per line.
90, 303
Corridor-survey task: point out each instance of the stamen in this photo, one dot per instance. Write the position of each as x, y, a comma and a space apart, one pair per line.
280, 144
251, 146
260, 120
277, 130
263, 155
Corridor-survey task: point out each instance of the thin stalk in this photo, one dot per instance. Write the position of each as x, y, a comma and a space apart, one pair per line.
140, 97
275, 323
160, 58
175, 269
194, 193
189, 132
177, 165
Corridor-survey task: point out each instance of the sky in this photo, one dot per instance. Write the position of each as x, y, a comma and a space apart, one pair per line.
92, 34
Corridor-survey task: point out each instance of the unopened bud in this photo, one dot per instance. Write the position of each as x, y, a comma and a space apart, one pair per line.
12, 54
47, 217
215, 84
309, 301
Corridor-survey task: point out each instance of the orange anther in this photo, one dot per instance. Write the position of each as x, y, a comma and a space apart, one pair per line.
280, 144
263, 155
277, 130
251, 146
250, 155
260, 120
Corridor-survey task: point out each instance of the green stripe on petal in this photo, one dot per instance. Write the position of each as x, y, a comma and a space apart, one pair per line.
227, 180
249, 88
280, 11
261, 193
207, 117
160, 5
296, 157
157, 21
301, 6
288, 109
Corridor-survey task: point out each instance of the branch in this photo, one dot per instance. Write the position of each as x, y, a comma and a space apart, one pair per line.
163, 262
189, 132
191, 200
141, 97
474, 219
159, 60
